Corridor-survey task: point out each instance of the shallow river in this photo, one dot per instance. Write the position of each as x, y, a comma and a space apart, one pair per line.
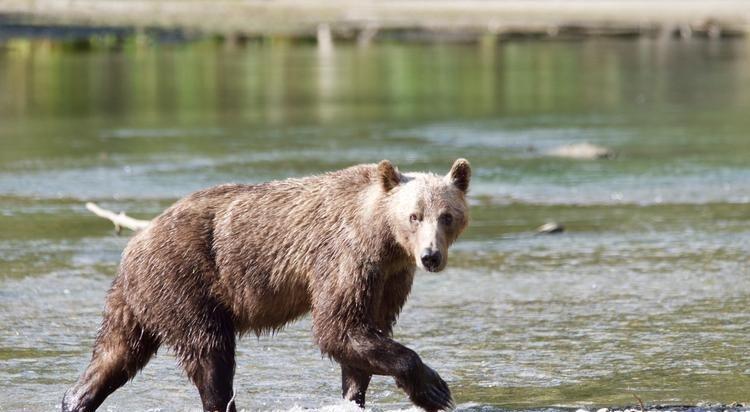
646, 293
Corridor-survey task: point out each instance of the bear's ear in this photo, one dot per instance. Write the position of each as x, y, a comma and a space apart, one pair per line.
460, 174
389, 175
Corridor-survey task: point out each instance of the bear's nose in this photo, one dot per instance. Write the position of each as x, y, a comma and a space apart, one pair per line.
431, 259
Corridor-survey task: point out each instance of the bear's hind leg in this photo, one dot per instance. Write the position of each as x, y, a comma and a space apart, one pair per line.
122, 348
211, 368
354, 383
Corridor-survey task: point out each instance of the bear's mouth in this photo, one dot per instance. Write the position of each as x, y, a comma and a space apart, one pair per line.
434, 268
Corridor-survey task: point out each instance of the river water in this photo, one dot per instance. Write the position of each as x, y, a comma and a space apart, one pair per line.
647, 292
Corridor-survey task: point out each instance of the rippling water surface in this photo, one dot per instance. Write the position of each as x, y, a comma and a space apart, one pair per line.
647, 292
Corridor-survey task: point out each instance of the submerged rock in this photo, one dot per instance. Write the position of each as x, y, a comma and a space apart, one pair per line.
582, 151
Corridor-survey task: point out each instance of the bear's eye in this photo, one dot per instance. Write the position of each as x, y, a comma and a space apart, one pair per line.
413, 218
446, 219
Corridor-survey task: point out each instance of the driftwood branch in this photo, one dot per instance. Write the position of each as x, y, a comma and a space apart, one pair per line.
121, 220
640, 402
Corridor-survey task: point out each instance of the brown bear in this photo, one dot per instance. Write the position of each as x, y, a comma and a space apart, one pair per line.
236, 258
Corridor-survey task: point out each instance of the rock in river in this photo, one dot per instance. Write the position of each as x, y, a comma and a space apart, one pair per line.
582, 151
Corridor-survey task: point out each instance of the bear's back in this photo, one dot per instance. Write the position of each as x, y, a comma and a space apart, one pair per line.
252, 247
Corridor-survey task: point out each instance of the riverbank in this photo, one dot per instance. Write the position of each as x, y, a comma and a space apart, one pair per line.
412, 20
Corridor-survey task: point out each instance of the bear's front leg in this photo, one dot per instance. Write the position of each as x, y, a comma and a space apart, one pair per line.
370, 351
349, 328
354, 384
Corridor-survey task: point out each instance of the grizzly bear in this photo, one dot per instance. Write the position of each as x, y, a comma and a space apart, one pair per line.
236, 258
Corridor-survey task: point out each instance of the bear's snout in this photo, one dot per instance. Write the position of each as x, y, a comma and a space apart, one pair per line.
431, 259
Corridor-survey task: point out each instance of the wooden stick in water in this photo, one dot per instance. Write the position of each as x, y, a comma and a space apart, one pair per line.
121, 220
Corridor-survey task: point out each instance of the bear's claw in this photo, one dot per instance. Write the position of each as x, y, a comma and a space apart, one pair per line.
434, 394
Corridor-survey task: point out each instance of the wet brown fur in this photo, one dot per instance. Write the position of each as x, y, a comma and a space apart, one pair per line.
238, 258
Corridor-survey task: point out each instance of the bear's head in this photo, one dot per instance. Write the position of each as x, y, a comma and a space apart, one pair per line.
427, 212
